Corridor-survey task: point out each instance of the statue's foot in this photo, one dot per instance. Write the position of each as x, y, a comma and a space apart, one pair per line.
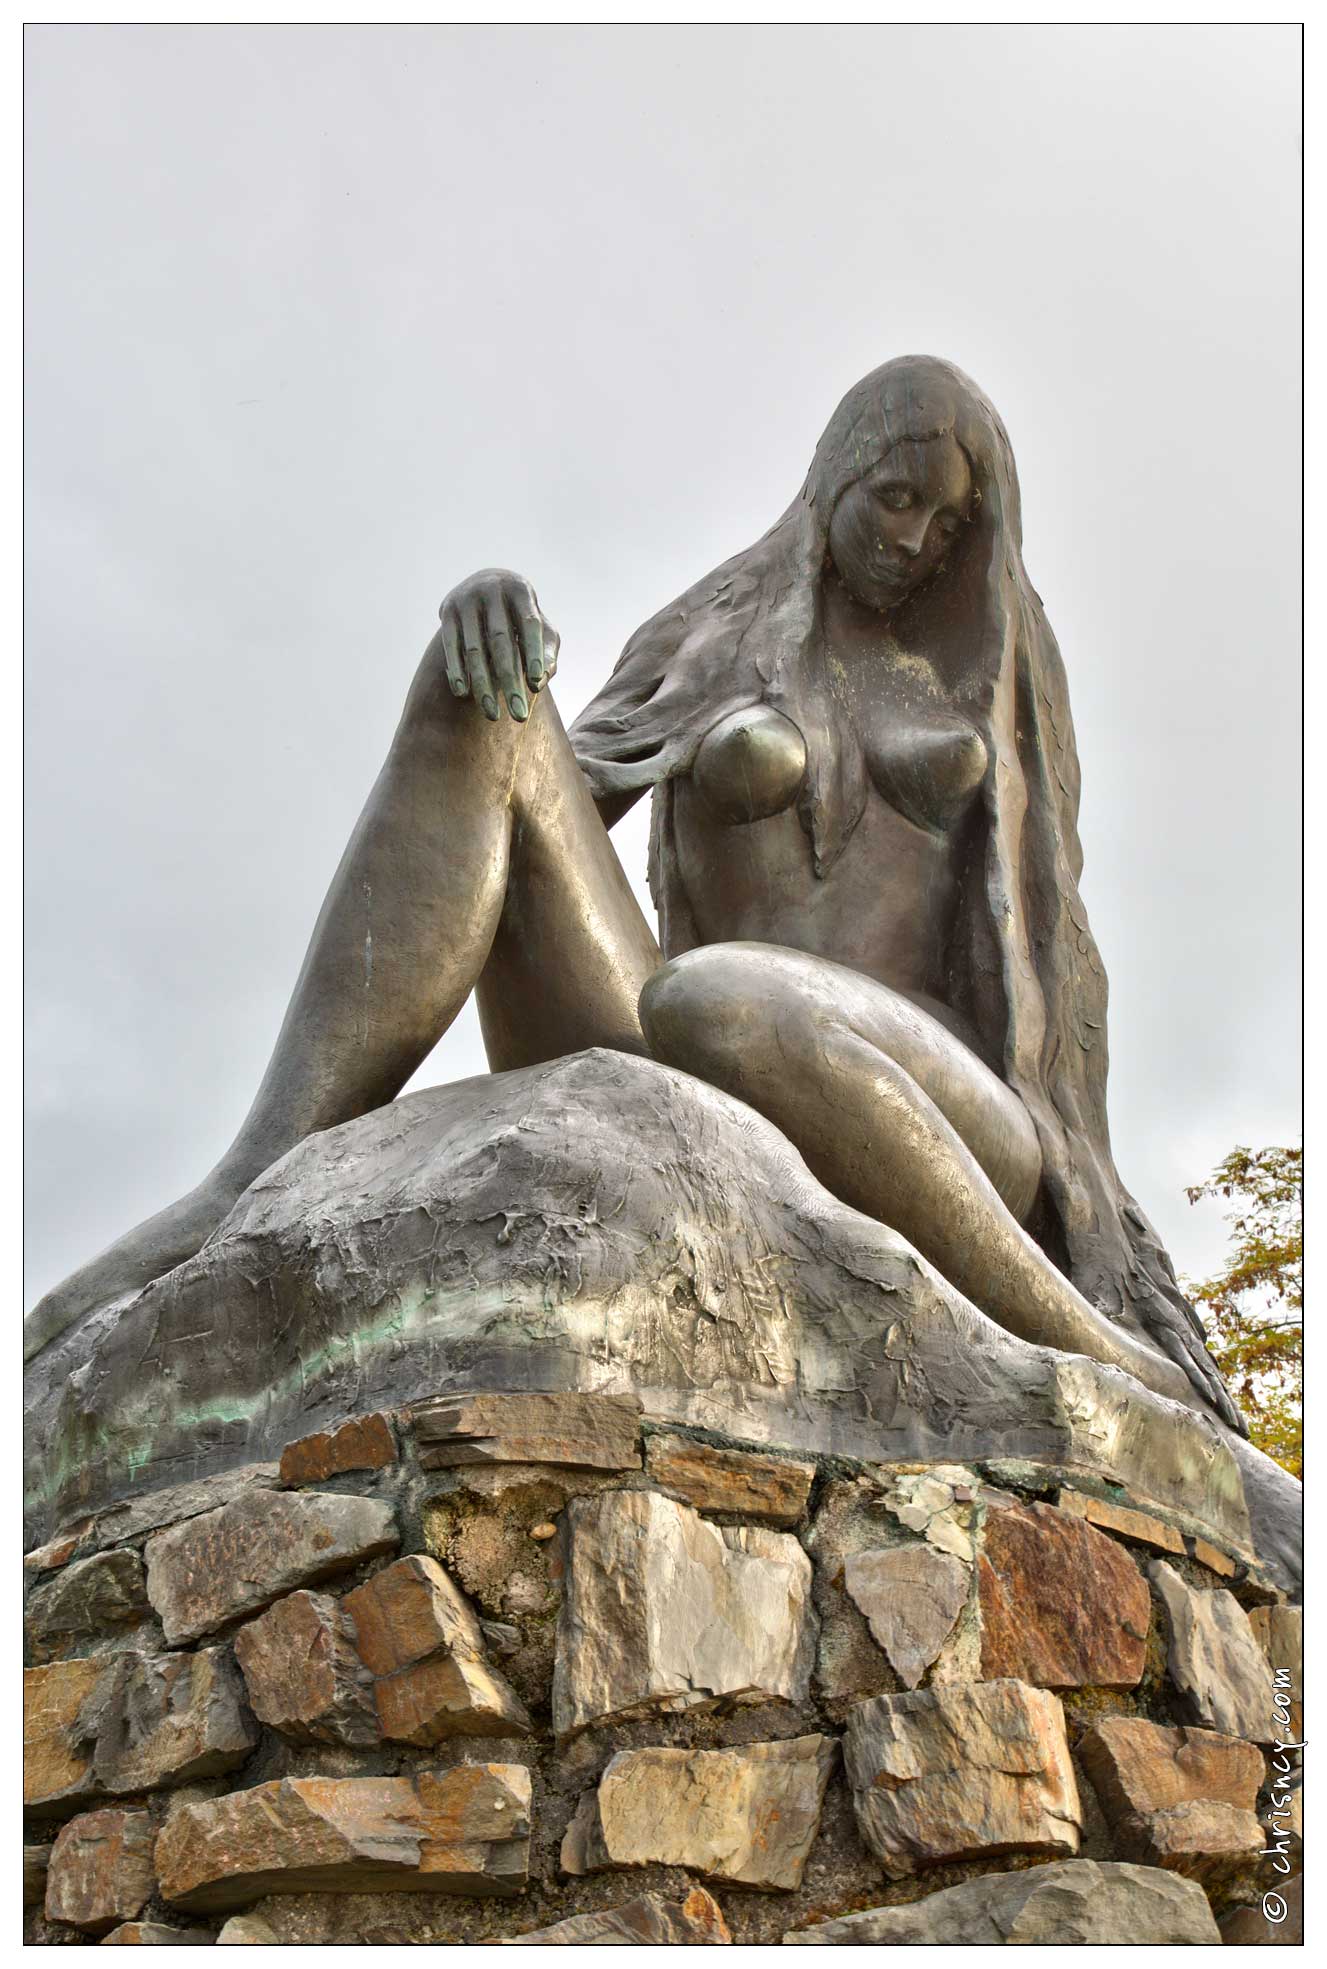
151, 1249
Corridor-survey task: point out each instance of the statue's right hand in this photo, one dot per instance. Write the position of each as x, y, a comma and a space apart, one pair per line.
497, 641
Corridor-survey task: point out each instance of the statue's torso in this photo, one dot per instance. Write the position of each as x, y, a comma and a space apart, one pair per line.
886, 904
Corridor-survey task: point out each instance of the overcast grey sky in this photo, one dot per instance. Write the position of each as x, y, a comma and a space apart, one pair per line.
321, 319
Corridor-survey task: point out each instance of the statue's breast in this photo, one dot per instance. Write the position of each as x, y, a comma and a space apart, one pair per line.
929, 768
750, 765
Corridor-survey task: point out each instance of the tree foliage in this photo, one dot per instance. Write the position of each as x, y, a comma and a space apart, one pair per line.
1253, 1309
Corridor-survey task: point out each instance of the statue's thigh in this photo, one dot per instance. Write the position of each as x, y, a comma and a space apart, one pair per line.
572, 948
772, 1010
983, 1111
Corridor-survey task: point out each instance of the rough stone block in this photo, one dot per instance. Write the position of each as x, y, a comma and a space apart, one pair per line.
588, 1432
36, 1859
962, 1772
663, 1610
57, 1551
57, 1754
84, 1600
133, 1518
1070, 1902
1137, 1766
1279, 1632
101, 1870
911, 1595
1140, 1526
1062, 1605
365, 1442
1212, 1557
408, 1610
1214, 1660
448, 1695
1203, 1839
214, 1568
649, 1922
773, 1490
251, 1929
854, 1517
462, 1831
303, 1674
167, 1719
746, 1815
421, 1637
157, 1934
1176, 1798
379, 1920
936, 1503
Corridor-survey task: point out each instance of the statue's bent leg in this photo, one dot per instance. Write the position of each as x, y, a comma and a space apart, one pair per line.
894, 1115
572, 949
461, 837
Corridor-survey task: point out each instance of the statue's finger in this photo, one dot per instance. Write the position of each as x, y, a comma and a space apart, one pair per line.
451, 649
476, 662
552, 644
502, 656
532, 630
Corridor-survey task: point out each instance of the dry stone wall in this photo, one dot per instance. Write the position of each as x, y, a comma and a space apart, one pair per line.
525, 1667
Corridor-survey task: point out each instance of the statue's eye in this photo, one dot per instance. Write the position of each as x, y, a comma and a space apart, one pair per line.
898, 498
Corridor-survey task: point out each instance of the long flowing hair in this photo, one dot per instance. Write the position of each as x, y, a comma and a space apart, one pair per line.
1023, 966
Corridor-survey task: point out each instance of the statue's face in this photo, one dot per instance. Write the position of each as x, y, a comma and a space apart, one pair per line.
892, 530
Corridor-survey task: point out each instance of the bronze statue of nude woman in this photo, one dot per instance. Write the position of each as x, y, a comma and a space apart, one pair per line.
865, 861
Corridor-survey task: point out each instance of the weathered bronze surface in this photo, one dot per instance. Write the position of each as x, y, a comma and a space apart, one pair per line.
865, 859
595, 1223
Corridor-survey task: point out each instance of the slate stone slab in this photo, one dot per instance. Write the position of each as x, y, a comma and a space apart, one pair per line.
168, 1719
57, 1751
85, 1600
210, 1570
962, 1772
36, 1859
648, 1922
1215, 1660
157, 1934
1121, 1519
1279, 1632
663, 1610
100, 1870
745, 1815
462, 1831
590, 1432
1071, 1902
1062, 1605
1177, 1798
768, 1490
408, 1610
911, 1596
303, 1675
364, 1442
